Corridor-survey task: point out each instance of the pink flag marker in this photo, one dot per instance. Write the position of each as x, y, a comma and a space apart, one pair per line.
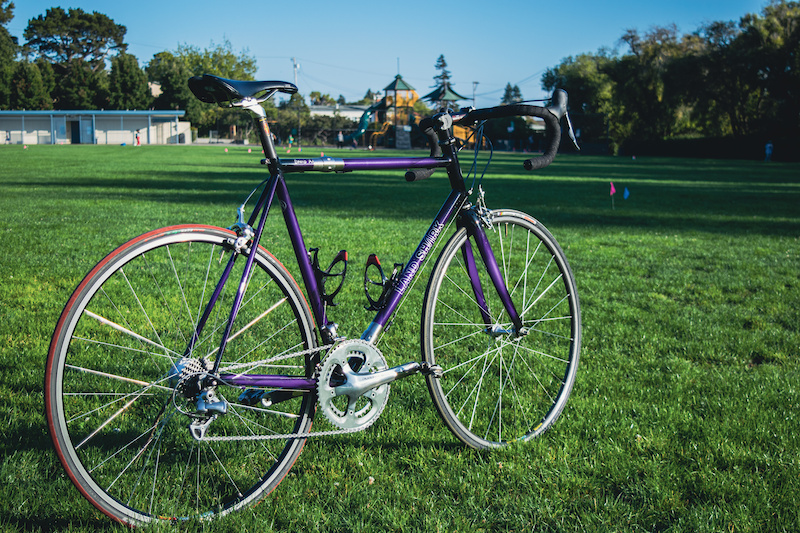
613, 191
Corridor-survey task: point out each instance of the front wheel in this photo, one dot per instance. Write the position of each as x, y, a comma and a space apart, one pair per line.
118, 420
501, 385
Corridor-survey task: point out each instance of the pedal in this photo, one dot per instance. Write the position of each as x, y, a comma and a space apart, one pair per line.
427, 369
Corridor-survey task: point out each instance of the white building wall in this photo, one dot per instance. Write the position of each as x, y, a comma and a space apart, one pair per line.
88, 128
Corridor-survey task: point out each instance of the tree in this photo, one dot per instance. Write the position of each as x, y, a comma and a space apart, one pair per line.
642, 81
591, 92
48, 77
171, 74
728, 78
443, 78
6, 12
64, 37
512, 95
318, 98
369, 98
171, 70
585, 79
772, 40
77, 44
715, 80
28, 89
219, 60
8, 52
128, 88
82, 88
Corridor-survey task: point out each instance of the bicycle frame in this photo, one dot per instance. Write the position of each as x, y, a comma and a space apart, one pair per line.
276, 188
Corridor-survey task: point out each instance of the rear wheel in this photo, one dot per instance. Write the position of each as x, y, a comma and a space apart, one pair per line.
499, 386
115, 361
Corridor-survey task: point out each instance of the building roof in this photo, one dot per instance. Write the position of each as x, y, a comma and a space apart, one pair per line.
399, 84
97, 112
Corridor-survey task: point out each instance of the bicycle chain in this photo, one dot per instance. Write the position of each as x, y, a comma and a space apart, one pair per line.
252, 364
287, 436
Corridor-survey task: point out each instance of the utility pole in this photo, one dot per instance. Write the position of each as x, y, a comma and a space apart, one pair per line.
474, 86
296, 66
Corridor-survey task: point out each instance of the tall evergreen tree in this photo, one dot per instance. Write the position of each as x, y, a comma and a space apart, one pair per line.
128, 88
512, 95
27, 88
443, 78
48, 77
82, 88
8, 52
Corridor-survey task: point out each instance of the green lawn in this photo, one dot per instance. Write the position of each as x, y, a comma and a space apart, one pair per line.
686, 412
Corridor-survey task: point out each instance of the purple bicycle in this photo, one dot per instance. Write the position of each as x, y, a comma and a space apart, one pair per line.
187, 367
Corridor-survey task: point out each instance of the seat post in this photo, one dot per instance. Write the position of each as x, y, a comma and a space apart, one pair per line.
260, 119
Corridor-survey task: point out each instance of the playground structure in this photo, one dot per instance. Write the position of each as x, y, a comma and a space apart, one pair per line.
394, 111
443, 97
377, 135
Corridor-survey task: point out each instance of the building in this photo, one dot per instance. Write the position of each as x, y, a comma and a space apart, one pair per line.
351, 111
94, 127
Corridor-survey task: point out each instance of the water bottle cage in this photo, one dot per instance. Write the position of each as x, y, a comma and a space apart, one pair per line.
323, 276
385, 283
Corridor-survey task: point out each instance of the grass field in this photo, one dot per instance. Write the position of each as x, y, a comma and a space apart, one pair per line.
685, 415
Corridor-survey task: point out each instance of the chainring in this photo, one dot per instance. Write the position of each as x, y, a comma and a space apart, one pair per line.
344, 411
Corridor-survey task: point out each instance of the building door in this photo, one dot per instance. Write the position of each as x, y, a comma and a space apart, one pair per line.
75, 131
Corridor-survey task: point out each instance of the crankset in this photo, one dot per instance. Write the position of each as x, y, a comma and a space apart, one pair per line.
353, 383
347, 395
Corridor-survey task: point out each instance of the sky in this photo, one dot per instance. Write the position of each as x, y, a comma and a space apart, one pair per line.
347, 47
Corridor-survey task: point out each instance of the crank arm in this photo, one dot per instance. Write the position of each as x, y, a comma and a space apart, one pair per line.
357, 384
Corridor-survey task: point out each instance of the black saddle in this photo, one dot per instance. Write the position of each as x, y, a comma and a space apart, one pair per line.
212, 89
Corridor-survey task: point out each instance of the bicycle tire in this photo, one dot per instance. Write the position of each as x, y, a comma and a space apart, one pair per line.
121, 436
497, 387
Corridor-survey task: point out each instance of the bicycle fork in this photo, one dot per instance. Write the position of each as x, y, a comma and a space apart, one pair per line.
474, 223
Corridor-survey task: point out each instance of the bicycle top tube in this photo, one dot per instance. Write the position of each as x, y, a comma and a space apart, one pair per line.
330, 164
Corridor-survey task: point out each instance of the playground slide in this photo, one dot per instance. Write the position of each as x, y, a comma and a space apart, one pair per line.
364, 122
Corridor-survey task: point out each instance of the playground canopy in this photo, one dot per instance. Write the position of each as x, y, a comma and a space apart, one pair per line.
399, 84
443, 93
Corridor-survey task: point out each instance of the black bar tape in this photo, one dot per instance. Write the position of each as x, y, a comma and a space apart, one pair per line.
419, 174
552, 120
